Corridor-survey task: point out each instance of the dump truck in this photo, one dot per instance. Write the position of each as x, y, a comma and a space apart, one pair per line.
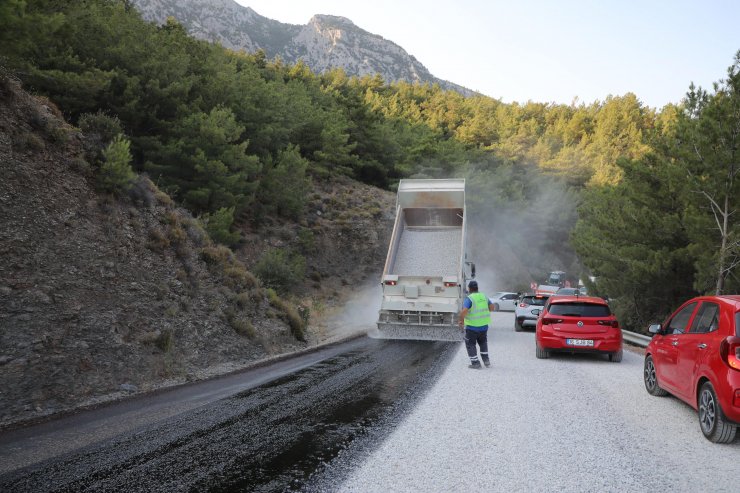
425, 273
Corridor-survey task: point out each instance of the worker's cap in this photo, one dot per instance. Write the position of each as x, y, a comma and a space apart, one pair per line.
473, 284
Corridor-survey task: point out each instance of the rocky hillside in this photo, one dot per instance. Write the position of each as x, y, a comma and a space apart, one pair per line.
325, 42
104, 296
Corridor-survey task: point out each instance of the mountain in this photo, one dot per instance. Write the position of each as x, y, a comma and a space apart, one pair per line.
325, 42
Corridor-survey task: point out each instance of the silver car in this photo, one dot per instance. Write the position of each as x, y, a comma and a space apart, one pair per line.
528, 309
504, 301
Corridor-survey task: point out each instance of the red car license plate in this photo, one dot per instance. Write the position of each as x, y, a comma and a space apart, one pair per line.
579, 342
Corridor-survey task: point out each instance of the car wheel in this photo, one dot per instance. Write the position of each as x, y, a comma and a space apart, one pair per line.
651, 379
712, 420
615, 357
495, 307
542, 353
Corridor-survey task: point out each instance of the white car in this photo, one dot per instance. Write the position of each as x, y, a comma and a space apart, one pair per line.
528, 310
504, 301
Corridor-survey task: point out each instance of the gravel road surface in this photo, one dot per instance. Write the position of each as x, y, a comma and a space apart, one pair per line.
568, 423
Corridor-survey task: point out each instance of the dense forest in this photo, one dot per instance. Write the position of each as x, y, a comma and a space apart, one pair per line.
643, 200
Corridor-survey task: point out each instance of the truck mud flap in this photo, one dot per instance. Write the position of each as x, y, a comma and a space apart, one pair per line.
418, 332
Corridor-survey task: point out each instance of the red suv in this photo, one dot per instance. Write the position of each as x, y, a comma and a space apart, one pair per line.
695, 355
578, 324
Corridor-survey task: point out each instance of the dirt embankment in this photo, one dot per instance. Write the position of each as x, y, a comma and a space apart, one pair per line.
102, 297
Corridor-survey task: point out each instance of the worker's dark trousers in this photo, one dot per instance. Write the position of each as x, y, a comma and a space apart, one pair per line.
473, 337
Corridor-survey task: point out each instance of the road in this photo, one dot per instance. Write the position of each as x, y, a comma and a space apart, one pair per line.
268, 429
568, 423
388, 416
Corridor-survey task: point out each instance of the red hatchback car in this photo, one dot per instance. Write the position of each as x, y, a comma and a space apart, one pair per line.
578, 324
695, 355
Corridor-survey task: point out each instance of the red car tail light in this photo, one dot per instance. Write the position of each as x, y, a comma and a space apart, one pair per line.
548, 321
610, 323
730, 352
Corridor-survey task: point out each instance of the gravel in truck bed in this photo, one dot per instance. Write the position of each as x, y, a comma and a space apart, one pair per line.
428, 252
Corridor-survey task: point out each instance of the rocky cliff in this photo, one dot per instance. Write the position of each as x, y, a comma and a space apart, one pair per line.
103, 296
325, 42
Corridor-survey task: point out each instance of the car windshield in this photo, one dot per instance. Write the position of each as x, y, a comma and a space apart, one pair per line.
579, 309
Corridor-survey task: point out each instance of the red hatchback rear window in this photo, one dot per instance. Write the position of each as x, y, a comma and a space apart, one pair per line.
579, 309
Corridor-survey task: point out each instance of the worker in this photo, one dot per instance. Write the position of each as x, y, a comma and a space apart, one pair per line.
475, 316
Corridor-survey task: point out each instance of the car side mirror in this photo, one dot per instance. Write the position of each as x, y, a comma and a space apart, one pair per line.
654, 329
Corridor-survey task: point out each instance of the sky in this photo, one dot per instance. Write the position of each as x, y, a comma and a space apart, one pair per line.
549, 51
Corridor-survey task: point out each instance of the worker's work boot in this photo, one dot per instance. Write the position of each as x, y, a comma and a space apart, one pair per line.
476, 365
487, 362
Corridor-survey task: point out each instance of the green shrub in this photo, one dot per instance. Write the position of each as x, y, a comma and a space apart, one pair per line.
243, 327
289, 314
218, 226
81, 166
236, 276
103, 126
306, 240
170, 217
177, 235
163, 198
216, 255
161, 290
57, 133
115, 174
195, 231
242, 300
280, 270
141, 192
157, 241
165, 341
29, 141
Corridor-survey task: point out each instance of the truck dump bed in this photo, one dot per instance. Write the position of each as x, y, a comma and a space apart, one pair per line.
424, 274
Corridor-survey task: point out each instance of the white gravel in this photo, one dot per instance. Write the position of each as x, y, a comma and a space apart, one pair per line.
429, 252
562, 424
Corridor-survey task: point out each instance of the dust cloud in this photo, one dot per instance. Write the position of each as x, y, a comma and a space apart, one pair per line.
516, 242
359, 313
512, 242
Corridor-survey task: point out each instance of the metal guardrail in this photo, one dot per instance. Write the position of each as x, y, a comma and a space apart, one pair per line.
635, 338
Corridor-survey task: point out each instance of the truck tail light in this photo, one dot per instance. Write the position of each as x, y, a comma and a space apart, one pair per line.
729, 350
390, 283
450, 284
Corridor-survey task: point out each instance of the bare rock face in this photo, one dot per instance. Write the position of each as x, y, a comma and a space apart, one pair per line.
328, 41
101, 296
324, 43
